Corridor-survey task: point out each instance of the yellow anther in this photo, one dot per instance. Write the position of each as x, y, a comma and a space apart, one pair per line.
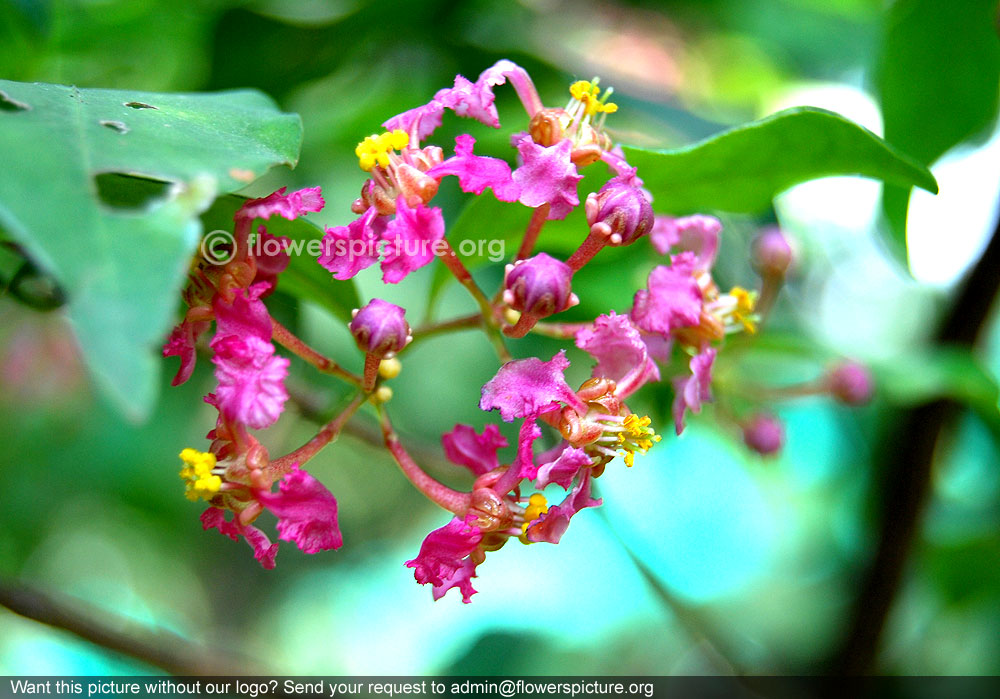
537, 506
389, 368
200, 481
637, 436
375, 149
587, 92
745, 302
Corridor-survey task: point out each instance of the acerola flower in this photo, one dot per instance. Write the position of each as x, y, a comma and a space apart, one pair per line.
263, 550
693, 390
251, 380
529, 387
537, 288
672, 300
621, 353
349, 249
551, 525
698, 234
410, 240
547, 176
181, 343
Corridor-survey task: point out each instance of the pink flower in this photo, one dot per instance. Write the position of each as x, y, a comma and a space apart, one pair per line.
539, 286
244, 316
475, 100
673, 299
477, 452
698, 234
380, 328
444, 559
694, 389
410, 240
419, 122
620, 352
564, 468
530, 387
181, 343
553, 524
476, 172
850, 383
547, 176
621, 210
306, 512
263, 550
349, 249
271, 258
289, 206
251, 380
764, 434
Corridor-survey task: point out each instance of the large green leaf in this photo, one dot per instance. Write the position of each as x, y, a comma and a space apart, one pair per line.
122, 268
937, 80
741, 170
303, 278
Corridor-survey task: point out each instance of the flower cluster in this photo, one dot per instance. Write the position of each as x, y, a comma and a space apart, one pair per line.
676, 329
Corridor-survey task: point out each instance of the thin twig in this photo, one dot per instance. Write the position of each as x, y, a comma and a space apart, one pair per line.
158, 647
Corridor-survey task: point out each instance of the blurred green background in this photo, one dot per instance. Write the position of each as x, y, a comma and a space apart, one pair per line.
755, 561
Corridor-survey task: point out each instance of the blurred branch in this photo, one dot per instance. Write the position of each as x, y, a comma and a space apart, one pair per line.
907, 467
158, 648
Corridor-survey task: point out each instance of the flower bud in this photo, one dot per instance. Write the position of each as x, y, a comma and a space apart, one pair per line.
380, 328
764, 434
850, 383
539, 286
772, 253
620, 211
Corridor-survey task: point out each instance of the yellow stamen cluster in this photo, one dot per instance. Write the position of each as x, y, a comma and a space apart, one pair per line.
375, 149
197, 472
637, 436
537, 506
587, 92
745, 302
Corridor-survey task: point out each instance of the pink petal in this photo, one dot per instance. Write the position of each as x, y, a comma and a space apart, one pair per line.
476, 452
563, 469
694, 389
420, 121
547, 176
349, 249
620, 352
306, 512
251, 380
289, 206
271, 257
553, 524
264, 551
442, 558
410, 240
526, 437
476, 172
181, 343
673, 298
530, 387
244, 316
698, 234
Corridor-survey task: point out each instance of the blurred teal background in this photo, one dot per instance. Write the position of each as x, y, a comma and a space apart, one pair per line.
756, 559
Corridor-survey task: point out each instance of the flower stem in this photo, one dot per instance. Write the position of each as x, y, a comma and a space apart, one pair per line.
451, 261
559, 331
592, 244
445, 326
287, 339
371, 372
538, 219
282, 465
438, 493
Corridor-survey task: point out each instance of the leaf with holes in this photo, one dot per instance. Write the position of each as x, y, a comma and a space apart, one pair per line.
119, 255
741, 170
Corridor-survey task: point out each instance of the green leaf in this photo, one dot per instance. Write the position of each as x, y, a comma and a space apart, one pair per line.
122, 259
937, 82
741, 170
303, 278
